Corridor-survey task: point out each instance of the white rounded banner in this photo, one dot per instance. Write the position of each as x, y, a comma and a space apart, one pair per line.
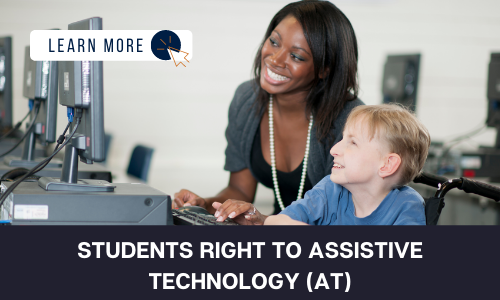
111, 45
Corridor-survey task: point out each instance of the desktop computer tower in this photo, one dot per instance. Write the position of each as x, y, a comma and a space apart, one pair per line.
128, 204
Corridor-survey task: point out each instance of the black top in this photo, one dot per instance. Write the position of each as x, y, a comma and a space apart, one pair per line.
289, 182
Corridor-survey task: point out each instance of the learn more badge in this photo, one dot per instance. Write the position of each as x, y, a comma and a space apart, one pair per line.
112, 45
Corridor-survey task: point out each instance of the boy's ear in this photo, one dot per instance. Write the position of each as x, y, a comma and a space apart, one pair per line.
391, 164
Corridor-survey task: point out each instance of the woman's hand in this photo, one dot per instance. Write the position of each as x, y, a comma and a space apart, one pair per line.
187, 198
242, 185
243, 213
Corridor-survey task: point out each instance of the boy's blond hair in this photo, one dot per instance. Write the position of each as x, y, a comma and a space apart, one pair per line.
404, 133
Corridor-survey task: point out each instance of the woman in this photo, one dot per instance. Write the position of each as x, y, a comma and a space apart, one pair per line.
283, 124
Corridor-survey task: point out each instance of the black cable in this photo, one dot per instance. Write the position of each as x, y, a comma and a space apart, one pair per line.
465, 136
28, 131
60, 141
61, 138
18, 125
38, 167
42, 164
18, 172
456, 141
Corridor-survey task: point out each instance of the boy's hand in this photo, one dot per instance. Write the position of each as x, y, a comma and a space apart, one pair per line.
241, 212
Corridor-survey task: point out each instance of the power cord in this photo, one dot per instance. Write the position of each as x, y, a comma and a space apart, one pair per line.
60, 140
452, 143
43, 163
16, 127
28, 131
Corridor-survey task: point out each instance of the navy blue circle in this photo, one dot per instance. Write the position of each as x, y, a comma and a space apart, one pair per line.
161, 41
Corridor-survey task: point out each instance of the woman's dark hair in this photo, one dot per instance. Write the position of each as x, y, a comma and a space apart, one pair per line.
331, 38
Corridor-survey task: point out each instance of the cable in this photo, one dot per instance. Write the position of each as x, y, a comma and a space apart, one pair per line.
40, 166
18, 125
57, 149
37, 110
466, 135
452, 143
61, 138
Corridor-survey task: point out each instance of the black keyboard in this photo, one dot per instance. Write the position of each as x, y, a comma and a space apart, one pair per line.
197, 216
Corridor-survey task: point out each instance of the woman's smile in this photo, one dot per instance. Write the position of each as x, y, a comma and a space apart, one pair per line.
273, 77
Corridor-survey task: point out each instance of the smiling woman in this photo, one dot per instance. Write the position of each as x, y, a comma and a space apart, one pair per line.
283, 123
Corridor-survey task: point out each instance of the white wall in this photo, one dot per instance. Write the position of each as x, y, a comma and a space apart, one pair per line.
182, 112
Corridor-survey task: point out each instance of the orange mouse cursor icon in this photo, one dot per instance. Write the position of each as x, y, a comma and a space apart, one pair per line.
178, 55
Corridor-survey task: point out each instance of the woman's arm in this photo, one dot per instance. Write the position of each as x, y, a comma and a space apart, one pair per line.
242, 186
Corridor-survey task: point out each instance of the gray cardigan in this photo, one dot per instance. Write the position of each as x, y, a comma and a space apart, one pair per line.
243, 124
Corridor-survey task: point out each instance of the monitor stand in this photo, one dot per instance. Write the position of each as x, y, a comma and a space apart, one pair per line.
28, 156
69, 176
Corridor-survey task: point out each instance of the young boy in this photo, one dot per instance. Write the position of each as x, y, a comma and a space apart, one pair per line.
383, 148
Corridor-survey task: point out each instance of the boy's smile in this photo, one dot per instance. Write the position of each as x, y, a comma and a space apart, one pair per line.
337, 166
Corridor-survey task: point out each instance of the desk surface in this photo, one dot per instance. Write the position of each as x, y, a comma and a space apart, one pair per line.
121, 177
85, 171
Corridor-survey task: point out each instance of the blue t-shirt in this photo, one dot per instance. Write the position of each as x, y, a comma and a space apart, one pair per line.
328, 203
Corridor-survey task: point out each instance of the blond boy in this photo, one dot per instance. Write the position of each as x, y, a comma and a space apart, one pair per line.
383, 148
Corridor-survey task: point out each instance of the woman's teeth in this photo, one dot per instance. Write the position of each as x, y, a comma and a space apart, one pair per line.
337, 166
276, 76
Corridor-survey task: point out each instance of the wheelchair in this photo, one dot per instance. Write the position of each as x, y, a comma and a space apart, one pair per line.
434, 205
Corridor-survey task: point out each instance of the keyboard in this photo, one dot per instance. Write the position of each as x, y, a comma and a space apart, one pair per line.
197, 216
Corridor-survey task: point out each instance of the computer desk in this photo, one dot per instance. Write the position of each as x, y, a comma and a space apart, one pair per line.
85, 171
122, 177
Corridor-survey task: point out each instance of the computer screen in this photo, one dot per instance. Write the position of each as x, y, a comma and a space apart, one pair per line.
81, 91
81, 86
493, 94
400, 80
5, 82
40, 87
40, 83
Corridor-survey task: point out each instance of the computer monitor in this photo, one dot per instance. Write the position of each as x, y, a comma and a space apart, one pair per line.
485, 161
81, 87
493, 94
40, 87
81, 90
43, 88
5, 83
400, 80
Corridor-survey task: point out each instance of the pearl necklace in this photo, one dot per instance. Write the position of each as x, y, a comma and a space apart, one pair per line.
273, 160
